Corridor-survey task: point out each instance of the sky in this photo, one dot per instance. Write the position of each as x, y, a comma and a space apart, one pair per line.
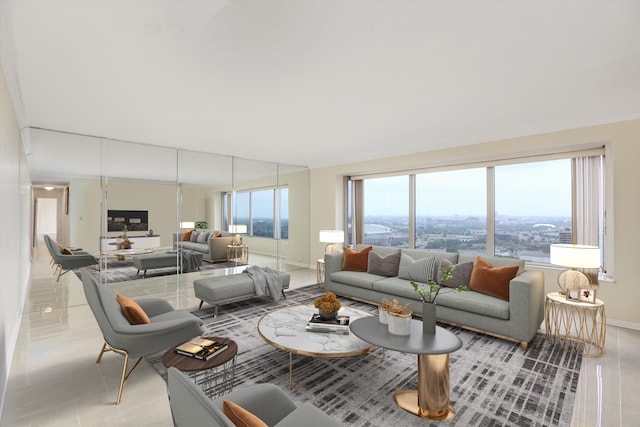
528, 189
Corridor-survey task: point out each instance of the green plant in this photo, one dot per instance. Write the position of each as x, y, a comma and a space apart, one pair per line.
125, 229
429, 292
201, 225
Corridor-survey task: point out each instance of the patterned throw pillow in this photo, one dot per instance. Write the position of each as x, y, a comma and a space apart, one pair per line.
420, 270
194, 236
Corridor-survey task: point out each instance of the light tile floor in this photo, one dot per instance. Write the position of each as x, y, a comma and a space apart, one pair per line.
54, 380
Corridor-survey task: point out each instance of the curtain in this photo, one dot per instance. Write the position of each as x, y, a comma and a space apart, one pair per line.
588, 196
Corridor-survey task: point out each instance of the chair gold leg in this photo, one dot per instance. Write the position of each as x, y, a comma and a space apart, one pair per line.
125, 375
104, 349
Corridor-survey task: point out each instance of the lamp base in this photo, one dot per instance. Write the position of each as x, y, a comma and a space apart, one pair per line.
572, 280
331, 249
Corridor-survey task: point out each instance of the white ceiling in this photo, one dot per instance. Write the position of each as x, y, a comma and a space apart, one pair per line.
318, 83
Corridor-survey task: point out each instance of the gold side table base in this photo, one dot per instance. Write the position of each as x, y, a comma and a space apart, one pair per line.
408, 400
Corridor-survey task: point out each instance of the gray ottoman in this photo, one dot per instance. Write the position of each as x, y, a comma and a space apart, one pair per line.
161, 260
220, 290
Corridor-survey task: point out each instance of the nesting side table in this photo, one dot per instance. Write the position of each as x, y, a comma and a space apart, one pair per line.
215, 376
576, 326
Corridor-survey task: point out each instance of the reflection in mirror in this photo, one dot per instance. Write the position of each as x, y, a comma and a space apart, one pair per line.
139, 184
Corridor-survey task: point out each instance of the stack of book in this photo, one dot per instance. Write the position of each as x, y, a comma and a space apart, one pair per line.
339, 325
201, 348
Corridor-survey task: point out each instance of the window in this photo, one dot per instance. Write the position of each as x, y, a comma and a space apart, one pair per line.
532, 209
451, 211
512, 208
386, 219
265, 212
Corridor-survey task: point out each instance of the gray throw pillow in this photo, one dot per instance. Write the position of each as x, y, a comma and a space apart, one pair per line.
383, 265
194, 236
203, 236
461, 274
420, 270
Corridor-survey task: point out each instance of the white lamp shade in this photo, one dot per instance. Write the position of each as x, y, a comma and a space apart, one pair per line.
187, 224
331, 236
575, 256
238, 228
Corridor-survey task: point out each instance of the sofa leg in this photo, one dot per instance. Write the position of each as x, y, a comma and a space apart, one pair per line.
524, 345
200, 306
283, 295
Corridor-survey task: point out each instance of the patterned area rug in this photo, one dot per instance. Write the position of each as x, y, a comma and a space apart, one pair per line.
121, 271
493, 382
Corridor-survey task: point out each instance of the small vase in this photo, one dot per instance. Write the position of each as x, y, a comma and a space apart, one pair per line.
383, 315
328, 315
429, 318
399, 324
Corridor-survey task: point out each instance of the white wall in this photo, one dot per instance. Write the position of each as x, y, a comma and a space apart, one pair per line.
624, 137
15, 215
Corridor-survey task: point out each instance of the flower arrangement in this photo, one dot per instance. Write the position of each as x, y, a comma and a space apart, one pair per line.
429, 292
327, 303
396, 309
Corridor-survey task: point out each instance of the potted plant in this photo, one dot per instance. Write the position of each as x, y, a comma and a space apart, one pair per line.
399, 318
201, 225
125, 229
429, 292
327, 305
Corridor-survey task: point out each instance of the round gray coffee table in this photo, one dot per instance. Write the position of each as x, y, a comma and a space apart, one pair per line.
431, 400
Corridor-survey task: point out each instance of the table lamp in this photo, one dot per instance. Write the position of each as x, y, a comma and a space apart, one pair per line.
237, 229
574, 256
331, 237
187, 225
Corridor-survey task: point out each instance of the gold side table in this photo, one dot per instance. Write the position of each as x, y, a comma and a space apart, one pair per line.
576, 326
238, 254
320, 271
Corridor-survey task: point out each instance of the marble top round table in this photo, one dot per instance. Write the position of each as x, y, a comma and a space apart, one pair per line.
284, 329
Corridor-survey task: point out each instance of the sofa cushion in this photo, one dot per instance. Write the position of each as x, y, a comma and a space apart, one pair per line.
383, 265
240, 416
420, 270
461, 275
490, 280
194, 236
356, 260
203, 236
395, 286
186, 236
307, 415
132, 311
474, 302
356, 278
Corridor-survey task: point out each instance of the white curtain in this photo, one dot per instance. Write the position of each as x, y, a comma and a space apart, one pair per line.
588, 190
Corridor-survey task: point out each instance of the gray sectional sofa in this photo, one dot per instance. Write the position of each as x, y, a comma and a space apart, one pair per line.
517, 319
214, 249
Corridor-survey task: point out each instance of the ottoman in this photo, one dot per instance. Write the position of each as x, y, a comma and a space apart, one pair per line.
220, 290
161, 260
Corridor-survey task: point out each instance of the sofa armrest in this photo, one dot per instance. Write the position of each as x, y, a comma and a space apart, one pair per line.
332, 263
526, 304
218, 247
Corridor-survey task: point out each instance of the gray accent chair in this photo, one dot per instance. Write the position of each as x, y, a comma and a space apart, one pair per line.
168, 327
190, 406
65, 263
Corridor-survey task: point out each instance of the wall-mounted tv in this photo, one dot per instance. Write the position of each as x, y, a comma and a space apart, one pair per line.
134, 220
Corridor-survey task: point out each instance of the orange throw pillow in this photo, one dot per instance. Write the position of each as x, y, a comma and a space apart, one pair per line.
240, 416
216, 234
132, 311
65, 250
186, 236
490, 280
356, 260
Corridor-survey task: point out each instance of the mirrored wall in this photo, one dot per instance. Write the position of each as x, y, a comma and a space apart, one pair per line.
153, 196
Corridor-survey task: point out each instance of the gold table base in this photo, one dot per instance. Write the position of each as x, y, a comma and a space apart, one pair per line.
578, 327
431, 400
